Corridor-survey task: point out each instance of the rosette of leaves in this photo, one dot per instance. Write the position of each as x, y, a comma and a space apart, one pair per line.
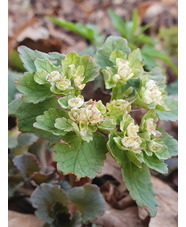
76, 128
69, 209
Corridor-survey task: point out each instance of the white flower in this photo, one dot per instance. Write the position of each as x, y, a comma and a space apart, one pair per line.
154, 146
132, 130
131, 142
124, 70
116, 78
54, 76
78, 82
76, 102
63, 85
151, 93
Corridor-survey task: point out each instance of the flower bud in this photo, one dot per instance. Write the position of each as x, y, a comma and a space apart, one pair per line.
54, 76
76, 102
131, 142
132, 130
63, 85
154, 146
124, 70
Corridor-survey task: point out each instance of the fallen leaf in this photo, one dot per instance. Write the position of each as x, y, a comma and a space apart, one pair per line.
16, 219
120, 218
167, 212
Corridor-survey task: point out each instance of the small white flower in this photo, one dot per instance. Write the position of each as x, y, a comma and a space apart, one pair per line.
78, 82
116, 78
63, 85
54, 76
132, 130
124, 70
151, 93
154, 146
76, 102
131, 142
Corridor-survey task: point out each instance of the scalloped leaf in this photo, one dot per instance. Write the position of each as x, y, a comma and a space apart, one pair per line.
27, 163
47, 120
172, 104
171, 143
112, 43
32, 91
91, 69
26, 114
28, 57
84, 159
50, 201
88, 200
137, 180
154, 163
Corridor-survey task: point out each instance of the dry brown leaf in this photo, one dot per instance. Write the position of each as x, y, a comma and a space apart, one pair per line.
167, 212
120, 218
16, 219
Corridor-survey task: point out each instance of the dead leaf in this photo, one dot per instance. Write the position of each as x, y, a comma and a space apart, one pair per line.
120, 218
167, 212
16, 219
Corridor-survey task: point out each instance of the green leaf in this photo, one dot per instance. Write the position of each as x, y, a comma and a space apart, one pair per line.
11, 86
88, 31
172, 88
79, 157
29, 56
171, 143
32, 91
91, 70
112, 43
88, 200
27, 113
15, 61
135, 21
172, 105
154, 163
107, 124
63, 124
50, 200
47, 120
27, 163
137, 180
153, 53
118, 23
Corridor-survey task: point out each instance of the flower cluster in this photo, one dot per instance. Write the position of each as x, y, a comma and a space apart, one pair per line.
68, 81
85, 116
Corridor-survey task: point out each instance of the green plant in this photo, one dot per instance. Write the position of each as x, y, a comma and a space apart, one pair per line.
81, 132
135, 34
88, 31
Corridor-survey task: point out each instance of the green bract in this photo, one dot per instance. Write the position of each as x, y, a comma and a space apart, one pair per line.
53, 107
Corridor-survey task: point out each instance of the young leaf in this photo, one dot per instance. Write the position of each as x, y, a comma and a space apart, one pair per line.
27, 163
154, 163
88, 200
32, 91
151, 52
29, 56
137, 180
47, 120
172, 105
88, 31
79, 157
112, 43
118, 23
50, 199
